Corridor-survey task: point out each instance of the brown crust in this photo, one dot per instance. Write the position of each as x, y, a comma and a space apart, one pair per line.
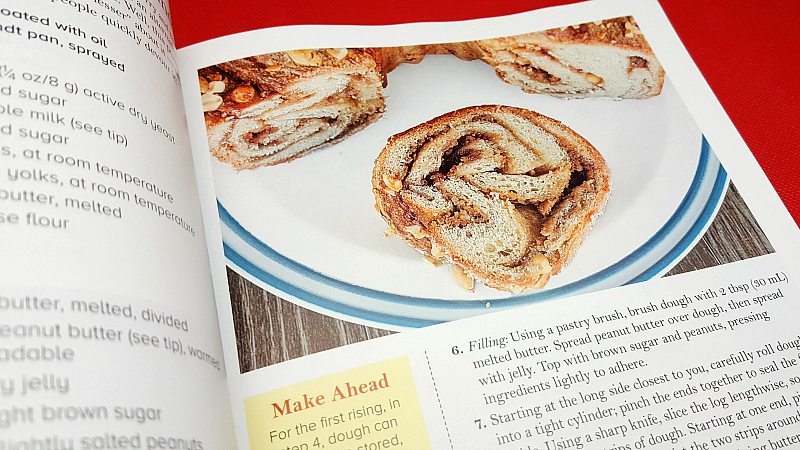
618, 32
581, 204
272, 74
621, 31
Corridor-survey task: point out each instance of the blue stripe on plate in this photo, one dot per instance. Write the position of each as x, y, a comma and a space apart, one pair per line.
569, 289
323, 302
699, 226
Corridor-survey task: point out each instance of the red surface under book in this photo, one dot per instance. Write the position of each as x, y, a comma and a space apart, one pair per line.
744, 49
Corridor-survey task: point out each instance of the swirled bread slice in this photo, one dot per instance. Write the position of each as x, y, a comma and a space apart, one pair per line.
504, 194
608, 58
269, 109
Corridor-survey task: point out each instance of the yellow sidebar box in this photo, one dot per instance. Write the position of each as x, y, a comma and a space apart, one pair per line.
373, 407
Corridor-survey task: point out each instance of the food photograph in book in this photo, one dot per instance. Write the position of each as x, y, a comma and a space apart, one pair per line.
363, 191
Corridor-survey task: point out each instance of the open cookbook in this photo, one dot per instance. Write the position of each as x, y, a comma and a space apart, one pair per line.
533, 231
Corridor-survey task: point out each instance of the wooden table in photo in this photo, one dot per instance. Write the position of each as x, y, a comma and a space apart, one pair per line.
270, 330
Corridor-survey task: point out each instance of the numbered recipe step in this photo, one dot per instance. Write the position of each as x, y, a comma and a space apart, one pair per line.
601, 381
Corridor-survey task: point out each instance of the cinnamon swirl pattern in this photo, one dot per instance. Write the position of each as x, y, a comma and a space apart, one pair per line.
504, 194
269, 109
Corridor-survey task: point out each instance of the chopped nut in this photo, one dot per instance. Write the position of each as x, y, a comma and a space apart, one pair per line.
392, 183
243, 94
211, 101
416, 231
432, 260
521, 60
542, 262
203, 84
465, 281
338, 53
517, 289
215, 87
631, 29
594, 79
305, 57
436, 251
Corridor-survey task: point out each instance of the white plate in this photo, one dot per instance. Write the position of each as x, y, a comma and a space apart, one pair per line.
307, 230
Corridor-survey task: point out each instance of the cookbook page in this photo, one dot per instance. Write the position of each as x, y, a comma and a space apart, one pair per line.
108, 332
551, 208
